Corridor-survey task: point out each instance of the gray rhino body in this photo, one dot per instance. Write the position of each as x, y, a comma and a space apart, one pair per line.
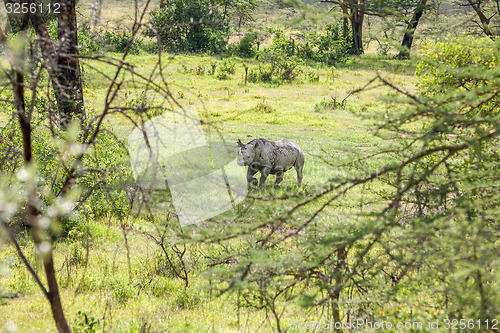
270, 157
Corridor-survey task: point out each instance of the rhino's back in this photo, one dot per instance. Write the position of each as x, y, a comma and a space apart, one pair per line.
280, 155
284, 143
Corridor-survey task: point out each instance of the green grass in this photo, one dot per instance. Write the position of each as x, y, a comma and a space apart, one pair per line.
125, 283
141, 296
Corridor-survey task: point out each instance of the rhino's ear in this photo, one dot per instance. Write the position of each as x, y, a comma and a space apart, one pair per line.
240, 144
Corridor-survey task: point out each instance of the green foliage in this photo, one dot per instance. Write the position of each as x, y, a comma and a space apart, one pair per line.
454, 63
113, 40
242, 8
86, 323
263, 107
117, 41
431, 224
106, 186
312, 76
225, 69
248, 45
88, 42
383, 48
187, 299
444, 202
281, 61
52, 27
330, 47
10, 148
277, 62
194, 26
141, 104
121, 290
22, 282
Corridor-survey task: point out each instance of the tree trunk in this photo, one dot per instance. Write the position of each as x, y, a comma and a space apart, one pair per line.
484, 20
36, 233
410, 30
97, 9
356, 15
63, 64
68, 75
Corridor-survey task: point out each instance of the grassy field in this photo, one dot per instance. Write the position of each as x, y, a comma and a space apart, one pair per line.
113, 275
121, 283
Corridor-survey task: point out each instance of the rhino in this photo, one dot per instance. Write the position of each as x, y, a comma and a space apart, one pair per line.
270, 157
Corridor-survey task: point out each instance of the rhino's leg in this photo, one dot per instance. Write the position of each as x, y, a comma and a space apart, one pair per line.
279, 177
298, 168
251, 171
264, 172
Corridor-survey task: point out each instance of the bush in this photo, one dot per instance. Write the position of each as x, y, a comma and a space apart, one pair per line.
104, 189
117, 41
454, 63
107, 188
248, 45
278, 62
195, 26
282, 59
331, 47
312, 76
88, 43
226, 69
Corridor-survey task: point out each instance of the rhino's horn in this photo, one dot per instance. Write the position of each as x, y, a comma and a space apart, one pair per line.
240, 144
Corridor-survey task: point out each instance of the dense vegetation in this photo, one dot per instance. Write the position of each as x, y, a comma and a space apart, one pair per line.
396, 222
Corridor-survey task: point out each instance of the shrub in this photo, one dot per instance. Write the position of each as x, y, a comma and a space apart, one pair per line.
104, 189
141, 103
332, 46
248, 45
453, 64
85, 322
226, 69
312, 76
117, 41
195, 26
107, 188
282, 59
278, 61
88, 42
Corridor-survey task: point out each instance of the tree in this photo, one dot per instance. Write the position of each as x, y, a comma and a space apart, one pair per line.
96, 9
435, 224
64, 70
190, 26
17, 82
63, 63
49, 195
355, 11
410, 29
15, 23
483, 9
242, 8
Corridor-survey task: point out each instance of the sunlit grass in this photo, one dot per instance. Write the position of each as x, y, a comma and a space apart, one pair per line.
136, 296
